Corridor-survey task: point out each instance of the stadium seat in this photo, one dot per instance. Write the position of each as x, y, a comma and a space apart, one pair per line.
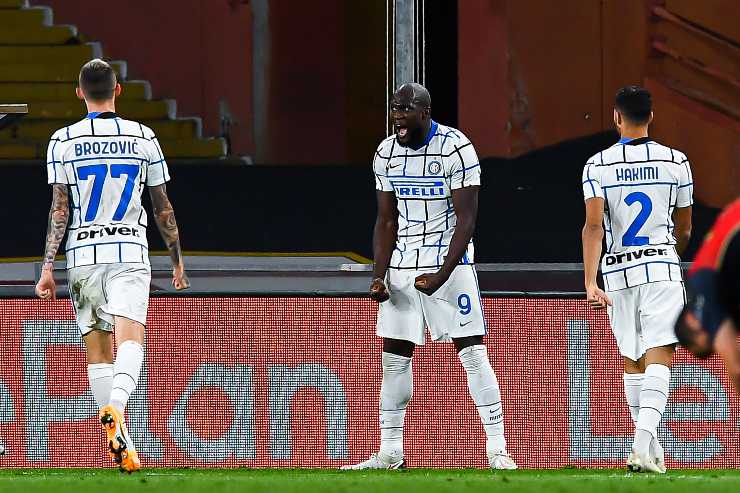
39, 65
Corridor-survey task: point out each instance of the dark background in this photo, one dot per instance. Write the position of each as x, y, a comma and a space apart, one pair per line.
531, 207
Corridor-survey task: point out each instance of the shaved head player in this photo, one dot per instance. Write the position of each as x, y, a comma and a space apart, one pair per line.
427, 178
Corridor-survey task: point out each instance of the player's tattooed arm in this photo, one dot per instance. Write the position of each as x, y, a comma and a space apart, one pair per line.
164, 216
465, 202
384, 240
57, 225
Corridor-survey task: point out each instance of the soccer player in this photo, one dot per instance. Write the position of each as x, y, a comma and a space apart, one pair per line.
711, 319
642, 193
427, 178
102, 165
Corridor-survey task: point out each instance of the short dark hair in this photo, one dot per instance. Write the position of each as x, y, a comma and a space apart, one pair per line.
635, 103
97, 80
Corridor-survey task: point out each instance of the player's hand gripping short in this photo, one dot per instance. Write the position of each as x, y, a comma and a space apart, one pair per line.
378, 291
597, 298
429, 283
180, 279
46, 288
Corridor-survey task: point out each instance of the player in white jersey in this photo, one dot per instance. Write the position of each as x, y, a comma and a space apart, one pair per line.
427, 181
640, 193
102, 164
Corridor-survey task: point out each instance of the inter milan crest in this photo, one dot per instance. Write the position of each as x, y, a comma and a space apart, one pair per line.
434, 167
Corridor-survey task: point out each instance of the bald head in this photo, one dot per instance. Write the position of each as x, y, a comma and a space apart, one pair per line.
411, 114
413, 93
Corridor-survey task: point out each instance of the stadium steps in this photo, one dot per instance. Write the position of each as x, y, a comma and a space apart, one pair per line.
13, 4
163, 109
33, 130
50, 72
136, 90
172, 148
41, 36
39, 65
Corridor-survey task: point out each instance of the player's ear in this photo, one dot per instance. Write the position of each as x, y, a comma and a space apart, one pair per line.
617, 119
650, 120
80, 94
117, 91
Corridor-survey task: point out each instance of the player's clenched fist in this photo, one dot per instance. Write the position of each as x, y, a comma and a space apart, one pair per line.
429, 283
180, 279
46, 288
378, 291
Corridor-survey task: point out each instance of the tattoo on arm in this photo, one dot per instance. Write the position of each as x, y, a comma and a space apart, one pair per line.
57, 225
164, 215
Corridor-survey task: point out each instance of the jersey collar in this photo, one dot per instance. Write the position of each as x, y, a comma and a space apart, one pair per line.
634, 142
101, 114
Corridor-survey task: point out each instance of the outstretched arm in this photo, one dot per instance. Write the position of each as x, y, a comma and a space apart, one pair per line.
164, 215
57, 225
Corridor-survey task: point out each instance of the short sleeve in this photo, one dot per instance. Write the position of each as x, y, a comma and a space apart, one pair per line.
464, 167
382, 183
54, 163
685, 194
158, 172
591, 183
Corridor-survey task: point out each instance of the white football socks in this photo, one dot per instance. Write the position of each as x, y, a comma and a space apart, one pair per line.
653, 399
632, 389
484, 390
395, 394
126, 370
100, 376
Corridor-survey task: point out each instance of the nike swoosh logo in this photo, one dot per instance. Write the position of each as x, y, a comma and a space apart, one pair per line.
390, 166
466, 323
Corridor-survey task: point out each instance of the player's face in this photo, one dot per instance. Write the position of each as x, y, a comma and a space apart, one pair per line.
408, 119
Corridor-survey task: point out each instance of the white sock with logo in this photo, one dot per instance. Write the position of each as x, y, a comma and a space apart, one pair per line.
653, 399
126, 370
484, 390
632, 389
395, 394
100, 376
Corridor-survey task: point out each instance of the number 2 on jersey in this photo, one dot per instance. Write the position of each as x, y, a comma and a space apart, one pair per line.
99, 173
630, 237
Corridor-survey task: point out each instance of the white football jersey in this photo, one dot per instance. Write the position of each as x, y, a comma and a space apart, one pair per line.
642, 183
422, 181
106, 161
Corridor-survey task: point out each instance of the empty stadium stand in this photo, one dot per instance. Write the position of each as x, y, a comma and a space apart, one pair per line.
39, 64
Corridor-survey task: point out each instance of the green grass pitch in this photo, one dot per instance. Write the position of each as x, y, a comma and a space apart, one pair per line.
410, 481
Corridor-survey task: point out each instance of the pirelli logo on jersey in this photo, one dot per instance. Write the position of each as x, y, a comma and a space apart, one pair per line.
619, 258
92, 234
419, 188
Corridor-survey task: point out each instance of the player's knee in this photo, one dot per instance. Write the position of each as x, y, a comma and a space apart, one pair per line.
398, 347
465, 342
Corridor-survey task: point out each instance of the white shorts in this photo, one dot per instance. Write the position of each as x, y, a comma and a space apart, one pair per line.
100, 292
454, 310
643, 317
